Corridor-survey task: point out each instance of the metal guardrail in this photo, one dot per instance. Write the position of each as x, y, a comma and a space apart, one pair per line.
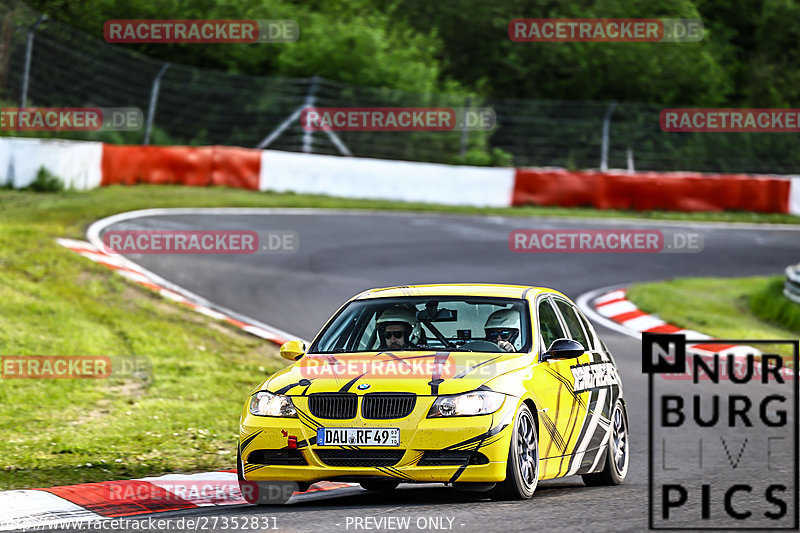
791, 286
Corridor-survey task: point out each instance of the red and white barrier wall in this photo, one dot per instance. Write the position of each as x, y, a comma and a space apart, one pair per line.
85, 165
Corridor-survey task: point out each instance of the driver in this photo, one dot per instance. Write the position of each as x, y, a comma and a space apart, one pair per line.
502, 328
398, 328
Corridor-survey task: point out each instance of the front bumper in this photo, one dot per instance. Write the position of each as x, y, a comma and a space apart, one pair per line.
484, 439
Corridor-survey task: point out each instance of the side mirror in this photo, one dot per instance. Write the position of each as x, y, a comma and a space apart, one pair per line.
564, 349
293, 350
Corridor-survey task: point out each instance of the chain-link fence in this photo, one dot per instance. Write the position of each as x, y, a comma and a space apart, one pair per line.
199, 106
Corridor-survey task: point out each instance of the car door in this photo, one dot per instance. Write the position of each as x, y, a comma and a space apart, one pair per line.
594, 378
564, 414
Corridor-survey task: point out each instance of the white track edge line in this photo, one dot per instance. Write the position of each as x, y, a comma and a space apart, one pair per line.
93, 236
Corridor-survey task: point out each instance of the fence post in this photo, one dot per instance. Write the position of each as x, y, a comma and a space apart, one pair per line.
151, 109
464, 132
606, 127
308, 137
23, 98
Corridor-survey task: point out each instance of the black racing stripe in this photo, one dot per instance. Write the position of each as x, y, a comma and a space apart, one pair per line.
350, 383
593, 398
308, 442
386, 470
398, 472
287, 388
434, 384
459, 472
569, 386
308, 422
472, 456
599, 435
586, 419
305, 416
555, 437
395, 358
440, 358
249, 439
468, 370
479, 438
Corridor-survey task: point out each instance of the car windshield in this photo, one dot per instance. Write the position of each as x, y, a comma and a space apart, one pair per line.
470, 324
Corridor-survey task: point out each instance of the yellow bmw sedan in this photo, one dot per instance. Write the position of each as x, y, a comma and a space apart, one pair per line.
484, 387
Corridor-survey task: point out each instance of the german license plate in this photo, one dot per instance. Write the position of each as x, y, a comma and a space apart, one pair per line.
358, 436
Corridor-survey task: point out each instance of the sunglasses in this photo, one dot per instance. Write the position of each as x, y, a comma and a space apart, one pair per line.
394, 334
505, 333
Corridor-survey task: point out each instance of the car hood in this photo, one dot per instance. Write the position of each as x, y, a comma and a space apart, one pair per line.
420, 372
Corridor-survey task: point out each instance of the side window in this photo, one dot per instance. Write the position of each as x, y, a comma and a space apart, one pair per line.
549, 326
573, 323
592, 343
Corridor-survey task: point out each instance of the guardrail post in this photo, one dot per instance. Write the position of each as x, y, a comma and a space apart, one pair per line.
464, 132
606, 128
151, 109
23, 98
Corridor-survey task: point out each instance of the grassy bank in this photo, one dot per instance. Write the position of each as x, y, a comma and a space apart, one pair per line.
727, 308
54, 302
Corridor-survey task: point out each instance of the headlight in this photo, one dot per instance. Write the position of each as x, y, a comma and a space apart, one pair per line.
267, 404
467, 404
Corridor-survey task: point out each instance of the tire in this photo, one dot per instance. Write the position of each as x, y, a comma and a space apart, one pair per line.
380, 484
618, 454
522, 468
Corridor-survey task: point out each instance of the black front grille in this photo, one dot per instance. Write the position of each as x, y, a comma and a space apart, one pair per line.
277, 457
451, 458
360, 457
382, 406
333, 405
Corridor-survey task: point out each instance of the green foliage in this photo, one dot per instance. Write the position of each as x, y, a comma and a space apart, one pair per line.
46, 181
424, 46
770, 305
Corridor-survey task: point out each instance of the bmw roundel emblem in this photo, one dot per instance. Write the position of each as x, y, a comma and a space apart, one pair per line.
363, 386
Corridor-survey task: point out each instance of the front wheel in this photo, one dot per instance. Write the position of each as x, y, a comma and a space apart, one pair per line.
522, 470
617, 452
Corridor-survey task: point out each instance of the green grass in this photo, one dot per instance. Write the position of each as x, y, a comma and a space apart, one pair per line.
725, 308
54, 302
769, 304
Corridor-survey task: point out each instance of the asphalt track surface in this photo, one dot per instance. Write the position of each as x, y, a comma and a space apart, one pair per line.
341, 254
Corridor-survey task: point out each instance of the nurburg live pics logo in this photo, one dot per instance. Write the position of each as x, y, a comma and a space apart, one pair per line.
723, 441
